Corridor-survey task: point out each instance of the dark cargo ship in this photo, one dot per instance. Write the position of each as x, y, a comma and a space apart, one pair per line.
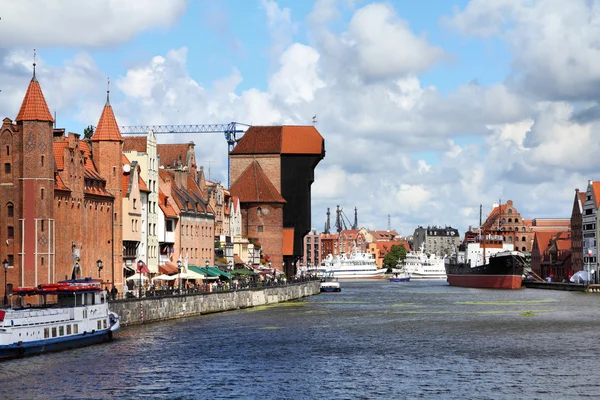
486, 262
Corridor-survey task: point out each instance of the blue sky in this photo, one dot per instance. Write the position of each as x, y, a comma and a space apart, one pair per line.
428, 109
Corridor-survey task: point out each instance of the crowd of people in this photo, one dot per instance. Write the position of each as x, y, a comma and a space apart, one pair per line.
186, 287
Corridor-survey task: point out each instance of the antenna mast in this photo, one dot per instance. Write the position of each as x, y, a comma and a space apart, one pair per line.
355, 225
327, 223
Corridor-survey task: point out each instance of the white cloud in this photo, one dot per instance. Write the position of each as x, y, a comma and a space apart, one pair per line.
554, 43
82, 23
298, 79
385, 46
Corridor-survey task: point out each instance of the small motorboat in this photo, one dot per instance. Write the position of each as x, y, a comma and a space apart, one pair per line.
330, 285
400, 277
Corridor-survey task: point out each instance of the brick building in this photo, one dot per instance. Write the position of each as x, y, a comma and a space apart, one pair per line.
312, 249
272, 170
505, 218
53, 195
551, 255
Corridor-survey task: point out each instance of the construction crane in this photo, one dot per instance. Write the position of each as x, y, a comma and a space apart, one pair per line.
231, 131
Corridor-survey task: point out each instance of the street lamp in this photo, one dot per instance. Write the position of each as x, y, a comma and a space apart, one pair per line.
140, 265
179, 265
100, 266
5, 265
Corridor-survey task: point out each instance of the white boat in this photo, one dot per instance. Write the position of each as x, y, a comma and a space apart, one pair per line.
69, 314
330, 285
420, 265
358, 265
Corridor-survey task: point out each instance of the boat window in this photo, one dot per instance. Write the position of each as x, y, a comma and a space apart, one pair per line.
105, 324
53, 331
61, 331
99, 324
46, 333
75, 328
68, 329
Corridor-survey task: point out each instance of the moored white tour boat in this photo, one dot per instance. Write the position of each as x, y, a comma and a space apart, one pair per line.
69, 314
357, 265
421, 266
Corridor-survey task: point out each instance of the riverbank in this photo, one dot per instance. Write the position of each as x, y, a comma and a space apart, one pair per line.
161, 308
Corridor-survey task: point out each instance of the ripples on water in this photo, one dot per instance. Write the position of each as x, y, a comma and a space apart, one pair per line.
372, 340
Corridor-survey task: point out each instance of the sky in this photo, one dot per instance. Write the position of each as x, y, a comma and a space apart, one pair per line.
428, 109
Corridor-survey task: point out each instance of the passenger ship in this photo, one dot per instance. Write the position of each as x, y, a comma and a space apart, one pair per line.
358, 265
79, 316
419, 265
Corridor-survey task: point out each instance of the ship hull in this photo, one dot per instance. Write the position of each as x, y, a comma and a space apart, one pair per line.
51, 345
502, 272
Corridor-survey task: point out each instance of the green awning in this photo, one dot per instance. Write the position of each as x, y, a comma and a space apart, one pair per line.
210, 271
242, 271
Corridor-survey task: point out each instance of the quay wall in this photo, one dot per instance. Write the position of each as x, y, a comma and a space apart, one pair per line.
161, 308
566, 286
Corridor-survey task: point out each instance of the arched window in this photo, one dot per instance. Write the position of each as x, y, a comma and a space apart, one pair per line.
523, 229
516, 238
42, 193
503, 221
10, 210
510, 210
8, 150
516, 219
523, 239
259, 211
523, 249
42, 161
510, 239
510, 220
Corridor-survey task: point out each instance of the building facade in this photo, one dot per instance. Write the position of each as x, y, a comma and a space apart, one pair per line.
436, 240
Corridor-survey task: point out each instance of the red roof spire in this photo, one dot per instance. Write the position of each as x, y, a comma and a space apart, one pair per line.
107, 128
34, 107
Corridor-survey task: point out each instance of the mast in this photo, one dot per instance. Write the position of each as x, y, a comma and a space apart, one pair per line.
327, 222
355, 225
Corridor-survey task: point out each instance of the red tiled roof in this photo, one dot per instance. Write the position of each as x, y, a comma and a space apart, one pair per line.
280, 140
165, 205
59, 153
582, 199
84, 146
596, 190
301, 140
288, 241
169, 153
58, 183
107, 129
34, 107
125, 178
142, 184
543, 239
131, 143
253, 186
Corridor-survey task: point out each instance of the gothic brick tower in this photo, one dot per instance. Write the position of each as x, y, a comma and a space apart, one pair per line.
34, 176
107, 150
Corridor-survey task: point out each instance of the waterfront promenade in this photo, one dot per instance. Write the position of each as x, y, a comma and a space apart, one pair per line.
155, 306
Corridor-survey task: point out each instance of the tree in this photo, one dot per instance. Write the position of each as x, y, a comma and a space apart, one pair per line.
88, 132
396, 253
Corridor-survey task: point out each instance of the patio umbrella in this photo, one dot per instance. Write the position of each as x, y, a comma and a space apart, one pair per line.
164, 277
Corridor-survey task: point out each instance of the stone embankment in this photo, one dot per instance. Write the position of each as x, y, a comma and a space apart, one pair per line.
153, 309
566, 286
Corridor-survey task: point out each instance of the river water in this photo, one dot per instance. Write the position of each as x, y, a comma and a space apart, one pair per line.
373, 340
